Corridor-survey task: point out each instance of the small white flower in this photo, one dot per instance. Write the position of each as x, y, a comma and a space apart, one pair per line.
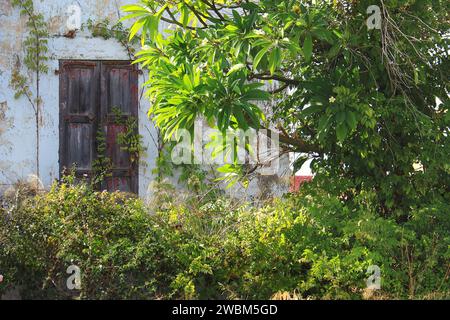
332, 99
204, 42
265, 15
260, 32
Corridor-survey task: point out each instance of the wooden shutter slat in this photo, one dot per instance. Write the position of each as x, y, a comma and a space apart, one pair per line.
79, 82
119, 88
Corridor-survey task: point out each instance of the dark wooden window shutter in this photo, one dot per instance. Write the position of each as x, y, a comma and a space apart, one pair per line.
119, 89
89, 92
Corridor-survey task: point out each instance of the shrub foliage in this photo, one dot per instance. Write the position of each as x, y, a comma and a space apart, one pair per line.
310, 245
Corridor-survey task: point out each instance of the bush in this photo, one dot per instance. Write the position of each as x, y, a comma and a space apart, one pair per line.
313, 245
310, 245
319, 246
104, 234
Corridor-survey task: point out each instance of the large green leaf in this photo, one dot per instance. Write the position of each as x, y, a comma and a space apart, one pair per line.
341, 131
308, 47
259, 56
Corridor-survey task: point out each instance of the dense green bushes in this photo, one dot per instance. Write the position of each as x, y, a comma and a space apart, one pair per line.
311, 245
101, 233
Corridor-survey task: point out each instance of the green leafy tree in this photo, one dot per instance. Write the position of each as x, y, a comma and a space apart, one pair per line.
368, 104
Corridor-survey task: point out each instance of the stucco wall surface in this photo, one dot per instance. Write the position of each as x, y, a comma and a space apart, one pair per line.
17, 121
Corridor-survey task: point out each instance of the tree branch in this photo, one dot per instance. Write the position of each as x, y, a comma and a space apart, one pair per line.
174, 21
213, 6
197, 14
296, 144
280, 89
266, 76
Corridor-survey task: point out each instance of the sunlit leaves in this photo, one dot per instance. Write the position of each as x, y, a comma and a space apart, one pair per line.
259, 56
236, 67
275, 59
329, 84
147, 20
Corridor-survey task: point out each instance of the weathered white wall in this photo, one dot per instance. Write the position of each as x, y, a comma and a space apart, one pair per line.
17, 122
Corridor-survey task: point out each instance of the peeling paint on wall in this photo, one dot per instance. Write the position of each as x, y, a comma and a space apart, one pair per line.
5, 123
6, 7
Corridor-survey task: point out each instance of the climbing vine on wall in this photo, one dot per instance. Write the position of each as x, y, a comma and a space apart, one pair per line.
129, 141
102, 165
104, 29
35, 47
